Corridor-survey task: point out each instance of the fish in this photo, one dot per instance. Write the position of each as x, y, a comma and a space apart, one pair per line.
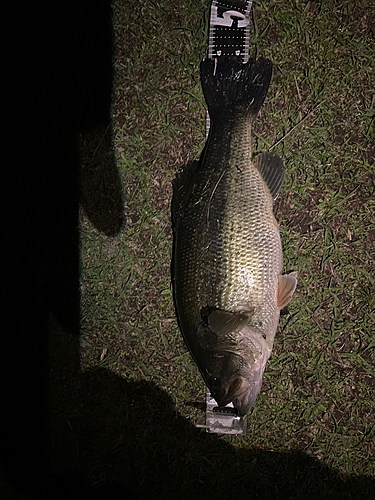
227, 261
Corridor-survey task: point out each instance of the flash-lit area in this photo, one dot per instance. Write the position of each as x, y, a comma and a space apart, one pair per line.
120, 407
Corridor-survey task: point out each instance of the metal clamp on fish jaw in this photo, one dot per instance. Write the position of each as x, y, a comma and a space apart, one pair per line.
228, 35
221, 420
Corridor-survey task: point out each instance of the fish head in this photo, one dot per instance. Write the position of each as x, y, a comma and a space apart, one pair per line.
233, 380
228, 380
234, 370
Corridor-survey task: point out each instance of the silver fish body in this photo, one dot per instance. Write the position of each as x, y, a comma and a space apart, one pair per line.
228, 257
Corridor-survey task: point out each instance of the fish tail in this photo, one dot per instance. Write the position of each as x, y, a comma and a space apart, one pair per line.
230, 86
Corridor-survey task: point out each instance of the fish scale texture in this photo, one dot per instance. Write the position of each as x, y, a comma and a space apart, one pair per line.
228, 250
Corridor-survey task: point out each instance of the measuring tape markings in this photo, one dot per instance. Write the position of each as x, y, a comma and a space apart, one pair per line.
229, 32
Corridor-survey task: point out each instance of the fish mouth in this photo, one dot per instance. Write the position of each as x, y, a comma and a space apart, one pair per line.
245, 401
240, 391
227, 393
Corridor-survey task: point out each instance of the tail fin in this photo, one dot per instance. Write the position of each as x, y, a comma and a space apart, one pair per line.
230, 86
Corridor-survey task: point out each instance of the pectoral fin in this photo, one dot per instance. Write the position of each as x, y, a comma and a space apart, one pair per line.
285, 289
223, 322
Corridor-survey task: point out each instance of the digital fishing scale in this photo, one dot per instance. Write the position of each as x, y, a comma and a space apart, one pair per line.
228, 36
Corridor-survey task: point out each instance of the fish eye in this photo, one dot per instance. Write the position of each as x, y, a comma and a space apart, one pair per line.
216, 382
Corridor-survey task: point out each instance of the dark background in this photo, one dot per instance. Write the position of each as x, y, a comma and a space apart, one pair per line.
58, 87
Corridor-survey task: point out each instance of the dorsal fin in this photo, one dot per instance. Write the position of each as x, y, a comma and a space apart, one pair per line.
271, 166
224, 322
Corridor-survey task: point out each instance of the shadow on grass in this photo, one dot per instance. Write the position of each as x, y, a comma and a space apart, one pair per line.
109, 438
116, 439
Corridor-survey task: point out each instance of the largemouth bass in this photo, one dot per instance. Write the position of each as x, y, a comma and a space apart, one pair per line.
227, 263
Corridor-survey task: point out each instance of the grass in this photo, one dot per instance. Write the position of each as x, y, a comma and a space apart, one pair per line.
311, 431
